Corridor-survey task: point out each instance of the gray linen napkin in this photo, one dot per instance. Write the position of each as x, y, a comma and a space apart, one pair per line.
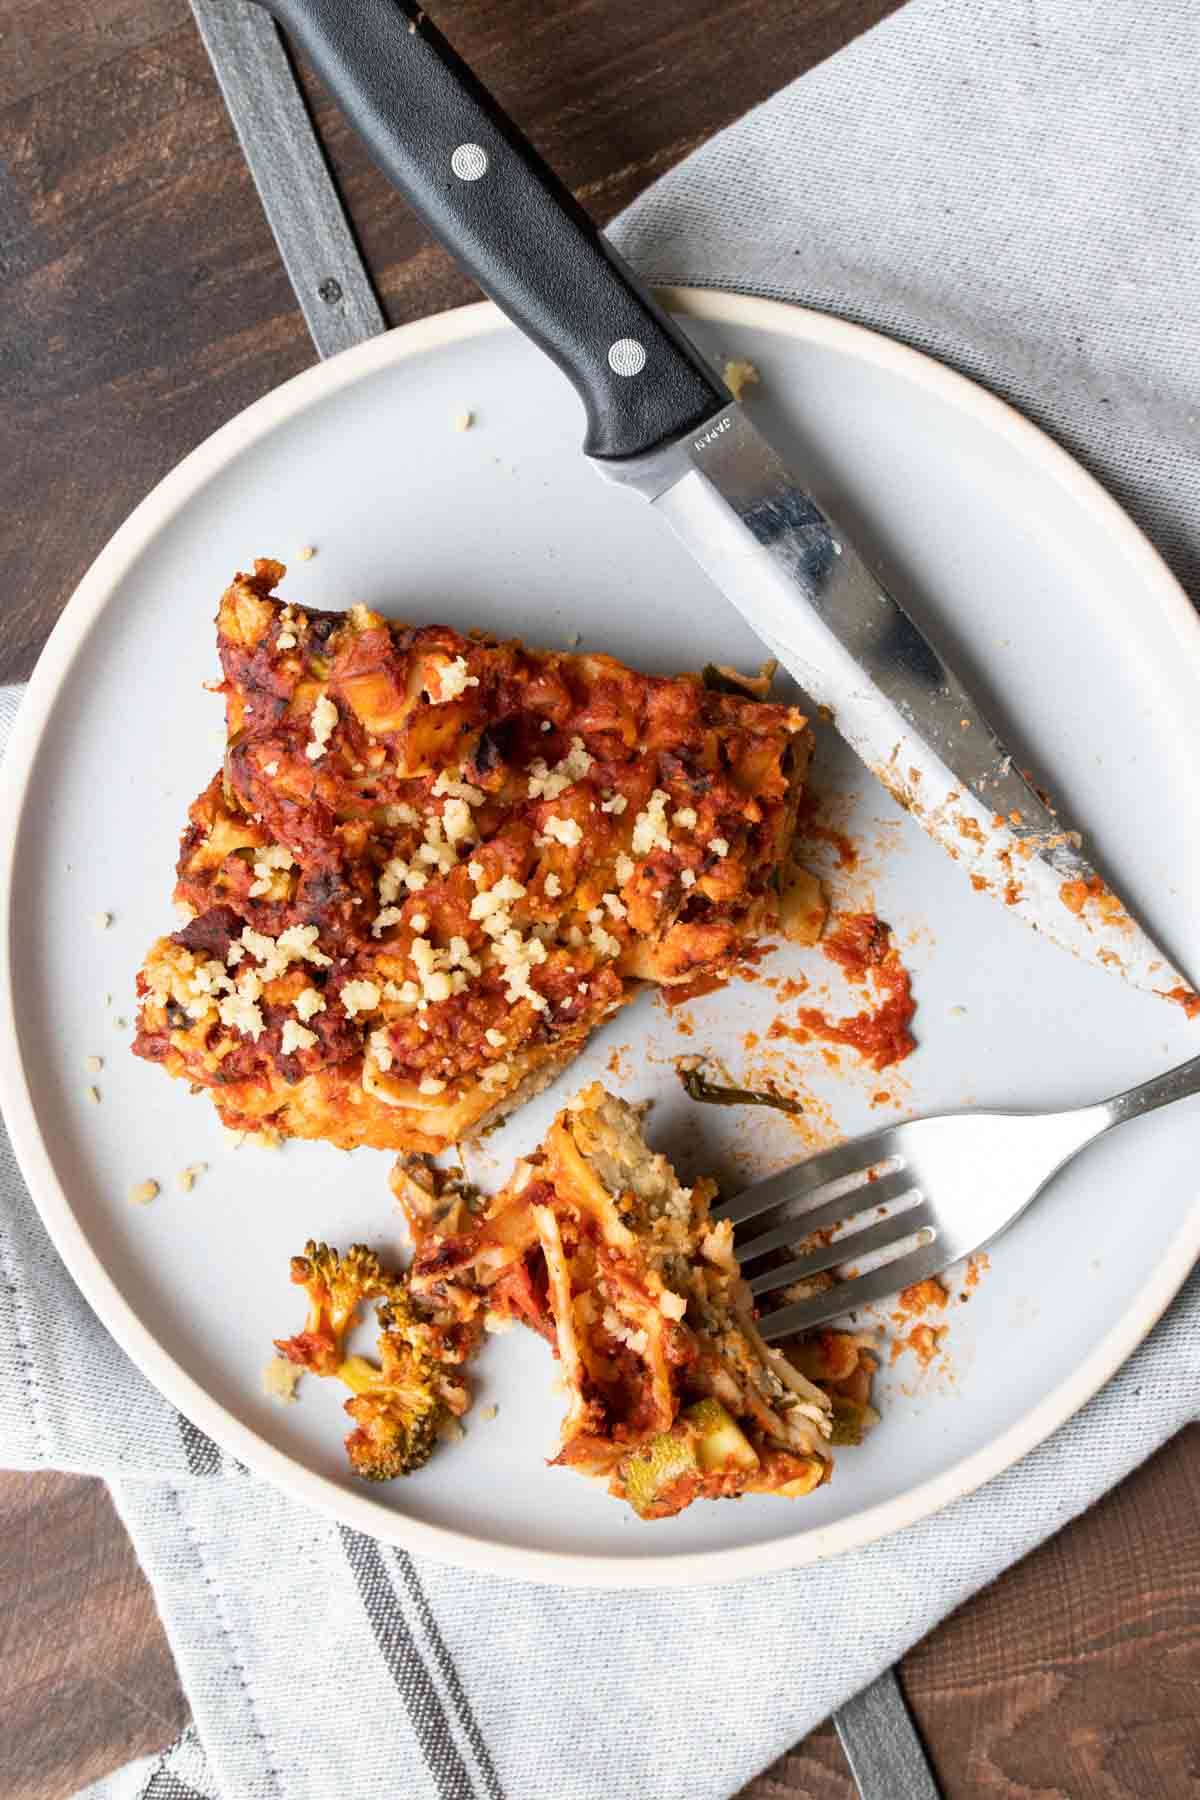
1012, 189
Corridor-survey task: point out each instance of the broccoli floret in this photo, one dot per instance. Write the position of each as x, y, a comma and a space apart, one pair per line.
400, 1405
336, 1287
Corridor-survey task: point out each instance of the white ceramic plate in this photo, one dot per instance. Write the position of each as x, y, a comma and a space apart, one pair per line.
1064, 619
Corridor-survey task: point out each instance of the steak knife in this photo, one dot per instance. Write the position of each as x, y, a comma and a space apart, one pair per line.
661, 422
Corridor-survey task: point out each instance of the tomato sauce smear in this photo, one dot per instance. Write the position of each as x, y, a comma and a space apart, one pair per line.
861, 945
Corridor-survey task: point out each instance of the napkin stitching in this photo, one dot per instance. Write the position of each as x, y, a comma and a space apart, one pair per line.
222, 1618
32, 1386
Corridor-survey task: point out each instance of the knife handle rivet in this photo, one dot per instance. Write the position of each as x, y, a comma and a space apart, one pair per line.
626, 357
469, 162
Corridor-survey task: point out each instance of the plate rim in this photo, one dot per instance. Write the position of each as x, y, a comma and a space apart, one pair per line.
448, 1545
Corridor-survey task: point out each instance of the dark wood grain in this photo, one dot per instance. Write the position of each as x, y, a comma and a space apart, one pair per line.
145, 303
145, 306
86, 1678
1073, 1677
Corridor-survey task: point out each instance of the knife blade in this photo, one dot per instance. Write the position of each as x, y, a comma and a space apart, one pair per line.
794, 575
660, 420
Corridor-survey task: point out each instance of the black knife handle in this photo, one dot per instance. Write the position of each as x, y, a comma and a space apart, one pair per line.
487, 195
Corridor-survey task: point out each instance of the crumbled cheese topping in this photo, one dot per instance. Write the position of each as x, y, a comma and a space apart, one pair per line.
453, 680
495, 1075
616, 1328
719, 846
297, 944
397, 874
381, 1049
359, 996
650, 826
685, 818
548, 784
286, 640
625, 867
270, 858
495, 1038
517, 956
430, 1084
552, 886
457, 788
615, 905
418, 922
391, 915
604, 942
296, 1037
565, 831
457, 822
616, 803
687, 877
308, 1002
399, 813
279, 1379
242, 1014
324, 718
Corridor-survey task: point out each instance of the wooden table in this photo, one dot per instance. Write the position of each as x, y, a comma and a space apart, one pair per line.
145, 304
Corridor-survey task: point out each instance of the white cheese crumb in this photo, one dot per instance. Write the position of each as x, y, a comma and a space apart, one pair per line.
495, 1075
429, 1084
296, 1037
475, 871
400, 814
324, 718
616, 804
650, 826
286, 640
457, 822
687, 877
685, 818
545, 725
495, 1038
604, 942
453, 680
359, 996
548, 784
93, 1064
719, 846
186, 1178
552, 886
242, 1014
143, 1192
308, 1002
566, 831
381, 1049
671, 1306
103, 921
624, 868
279, 1379
615, 905
418, 922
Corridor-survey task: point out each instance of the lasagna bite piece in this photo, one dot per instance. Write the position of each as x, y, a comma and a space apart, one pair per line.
674, 1396
432, 864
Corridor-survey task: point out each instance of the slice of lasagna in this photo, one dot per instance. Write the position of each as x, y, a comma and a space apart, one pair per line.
432, 864
674, 1396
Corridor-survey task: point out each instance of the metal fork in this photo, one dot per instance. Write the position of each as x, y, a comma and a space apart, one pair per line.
929, 1191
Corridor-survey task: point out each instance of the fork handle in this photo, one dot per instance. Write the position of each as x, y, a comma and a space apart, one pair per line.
1160, 1090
